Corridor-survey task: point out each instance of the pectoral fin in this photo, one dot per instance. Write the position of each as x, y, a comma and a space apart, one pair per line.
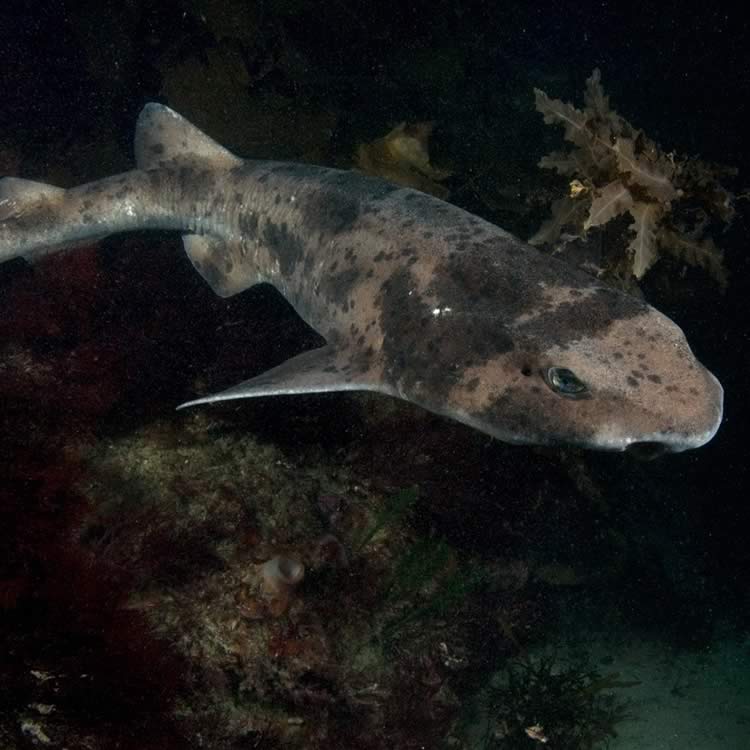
316, 371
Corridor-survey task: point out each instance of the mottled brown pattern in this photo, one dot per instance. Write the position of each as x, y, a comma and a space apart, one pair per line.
417, 298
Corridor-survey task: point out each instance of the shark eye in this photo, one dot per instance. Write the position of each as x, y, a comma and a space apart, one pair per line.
565, 382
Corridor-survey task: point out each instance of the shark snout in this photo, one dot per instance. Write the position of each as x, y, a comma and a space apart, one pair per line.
694, 425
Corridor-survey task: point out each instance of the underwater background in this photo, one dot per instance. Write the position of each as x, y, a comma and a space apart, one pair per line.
346, 571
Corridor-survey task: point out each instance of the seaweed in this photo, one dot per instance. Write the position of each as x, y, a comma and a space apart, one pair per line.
394, 510
425, 580
402, 157
540, 701
673, 202
449, 594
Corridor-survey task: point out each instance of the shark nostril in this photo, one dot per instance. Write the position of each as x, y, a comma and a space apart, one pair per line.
526, 371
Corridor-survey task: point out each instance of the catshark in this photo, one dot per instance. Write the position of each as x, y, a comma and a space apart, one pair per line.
415, 297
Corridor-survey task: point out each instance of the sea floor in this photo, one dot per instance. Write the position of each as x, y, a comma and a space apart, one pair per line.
695, 699
689, 699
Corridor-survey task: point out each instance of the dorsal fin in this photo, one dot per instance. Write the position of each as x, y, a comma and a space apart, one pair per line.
162, 135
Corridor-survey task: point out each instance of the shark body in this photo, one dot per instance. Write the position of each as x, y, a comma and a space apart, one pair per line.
415, 297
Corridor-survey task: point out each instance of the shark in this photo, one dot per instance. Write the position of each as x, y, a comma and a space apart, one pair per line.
415, 297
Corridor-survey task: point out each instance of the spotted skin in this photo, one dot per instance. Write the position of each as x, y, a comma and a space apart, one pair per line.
416, 297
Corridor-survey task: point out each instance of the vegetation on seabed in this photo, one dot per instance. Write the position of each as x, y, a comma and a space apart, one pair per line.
541, 700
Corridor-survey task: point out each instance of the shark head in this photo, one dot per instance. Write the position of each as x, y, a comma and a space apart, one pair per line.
560, 361
623, 389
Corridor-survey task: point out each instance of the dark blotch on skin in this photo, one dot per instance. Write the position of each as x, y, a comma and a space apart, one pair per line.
338, 286
498, 277
287, 247
157, 149
654, 379
361, 360
189, 183
295, 169
477, 282
358, 185
335, 200
423, 352
585, 316
43, 215
632, 382
330, 214
156, 178
248, 224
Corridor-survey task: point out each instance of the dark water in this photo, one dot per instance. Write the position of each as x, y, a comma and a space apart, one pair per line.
457, 592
